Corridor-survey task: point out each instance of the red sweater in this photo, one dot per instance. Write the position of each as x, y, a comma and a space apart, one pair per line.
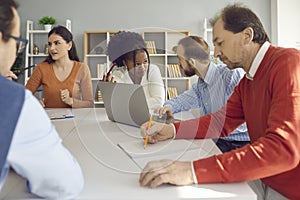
270, 105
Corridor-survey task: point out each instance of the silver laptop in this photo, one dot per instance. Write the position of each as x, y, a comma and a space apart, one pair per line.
126, 103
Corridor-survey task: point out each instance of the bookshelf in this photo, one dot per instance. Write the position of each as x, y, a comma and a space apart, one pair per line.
163, 42
95, 43
207, 35
159, 45
37, 38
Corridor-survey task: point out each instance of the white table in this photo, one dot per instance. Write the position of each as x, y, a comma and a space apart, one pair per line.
110, 173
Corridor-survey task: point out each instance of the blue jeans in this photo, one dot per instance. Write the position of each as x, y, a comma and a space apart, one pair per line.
264, 192
226, 145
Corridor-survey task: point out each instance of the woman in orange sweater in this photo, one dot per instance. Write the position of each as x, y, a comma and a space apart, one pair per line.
66, 81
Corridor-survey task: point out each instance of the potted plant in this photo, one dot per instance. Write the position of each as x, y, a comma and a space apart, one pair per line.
47, 21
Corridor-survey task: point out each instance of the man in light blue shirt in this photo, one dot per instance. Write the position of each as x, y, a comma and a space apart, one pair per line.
214, 86
29, 142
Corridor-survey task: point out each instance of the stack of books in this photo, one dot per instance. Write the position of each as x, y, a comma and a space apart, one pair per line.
172, 92
150, 45
174, 71
99, 96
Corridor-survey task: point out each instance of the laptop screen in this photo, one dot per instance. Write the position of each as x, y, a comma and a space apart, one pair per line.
124, 103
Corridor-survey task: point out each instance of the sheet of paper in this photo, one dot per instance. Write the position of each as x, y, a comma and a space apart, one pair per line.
188, 155
59, 113
135, 149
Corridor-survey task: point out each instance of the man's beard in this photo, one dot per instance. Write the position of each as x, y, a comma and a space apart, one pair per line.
190, 71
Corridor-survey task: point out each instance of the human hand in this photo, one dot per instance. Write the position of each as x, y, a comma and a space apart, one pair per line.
166, 171
157, 131
164, 111
65, 97
10, 75
108, 78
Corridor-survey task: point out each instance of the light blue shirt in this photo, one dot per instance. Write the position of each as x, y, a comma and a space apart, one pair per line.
211, 94
37, 154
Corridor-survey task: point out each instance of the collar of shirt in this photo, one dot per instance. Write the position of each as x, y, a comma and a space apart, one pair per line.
209, 77
257, 60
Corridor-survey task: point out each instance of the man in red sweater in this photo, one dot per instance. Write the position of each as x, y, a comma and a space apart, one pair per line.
267, 99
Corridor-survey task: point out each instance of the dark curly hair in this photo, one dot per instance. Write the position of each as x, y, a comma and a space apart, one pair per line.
124, 45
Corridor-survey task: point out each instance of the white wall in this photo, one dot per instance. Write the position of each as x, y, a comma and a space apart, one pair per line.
285, 23
90, 15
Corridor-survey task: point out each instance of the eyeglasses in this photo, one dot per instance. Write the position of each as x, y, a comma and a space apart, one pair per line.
22, 42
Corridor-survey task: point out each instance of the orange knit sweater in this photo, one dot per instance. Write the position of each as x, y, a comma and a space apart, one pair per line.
78, 83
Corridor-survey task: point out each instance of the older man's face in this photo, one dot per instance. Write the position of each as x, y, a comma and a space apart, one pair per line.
228, 45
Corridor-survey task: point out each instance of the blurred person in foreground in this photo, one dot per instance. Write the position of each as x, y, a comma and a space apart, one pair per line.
35, 152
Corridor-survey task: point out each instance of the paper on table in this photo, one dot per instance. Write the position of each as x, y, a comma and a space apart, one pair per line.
59, 113
135, 149
189, 155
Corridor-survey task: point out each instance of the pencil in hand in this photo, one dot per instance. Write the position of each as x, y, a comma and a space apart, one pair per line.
147, 136
146, 141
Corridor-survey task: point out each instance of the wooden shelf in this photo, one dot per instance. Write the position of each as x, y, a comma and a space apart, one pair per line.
164, 41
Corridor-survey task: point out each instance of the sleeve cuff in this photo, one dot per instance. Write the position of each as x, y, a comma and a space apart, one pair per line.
193, 172
174, 130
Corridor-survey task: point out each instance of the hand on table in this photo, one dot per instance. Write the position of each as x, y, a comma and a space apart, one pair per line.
157, 131
166, 171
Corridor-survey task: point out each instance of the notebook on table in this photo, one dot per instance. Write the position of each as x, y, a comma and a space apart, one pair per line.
126, 103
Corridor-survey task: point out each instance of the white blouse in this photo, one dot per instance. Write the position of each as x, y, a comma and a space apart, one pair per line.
153, 86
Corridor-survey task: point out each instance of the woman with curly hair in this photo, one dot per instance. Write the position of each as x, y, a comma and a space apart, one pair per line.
127, 51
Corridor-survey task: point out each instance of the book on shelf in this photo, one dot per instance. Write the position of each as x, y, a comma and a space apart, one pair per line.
177, 68
101, 69
150, 45
174, 71
172, 92
99, 96
170, 71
